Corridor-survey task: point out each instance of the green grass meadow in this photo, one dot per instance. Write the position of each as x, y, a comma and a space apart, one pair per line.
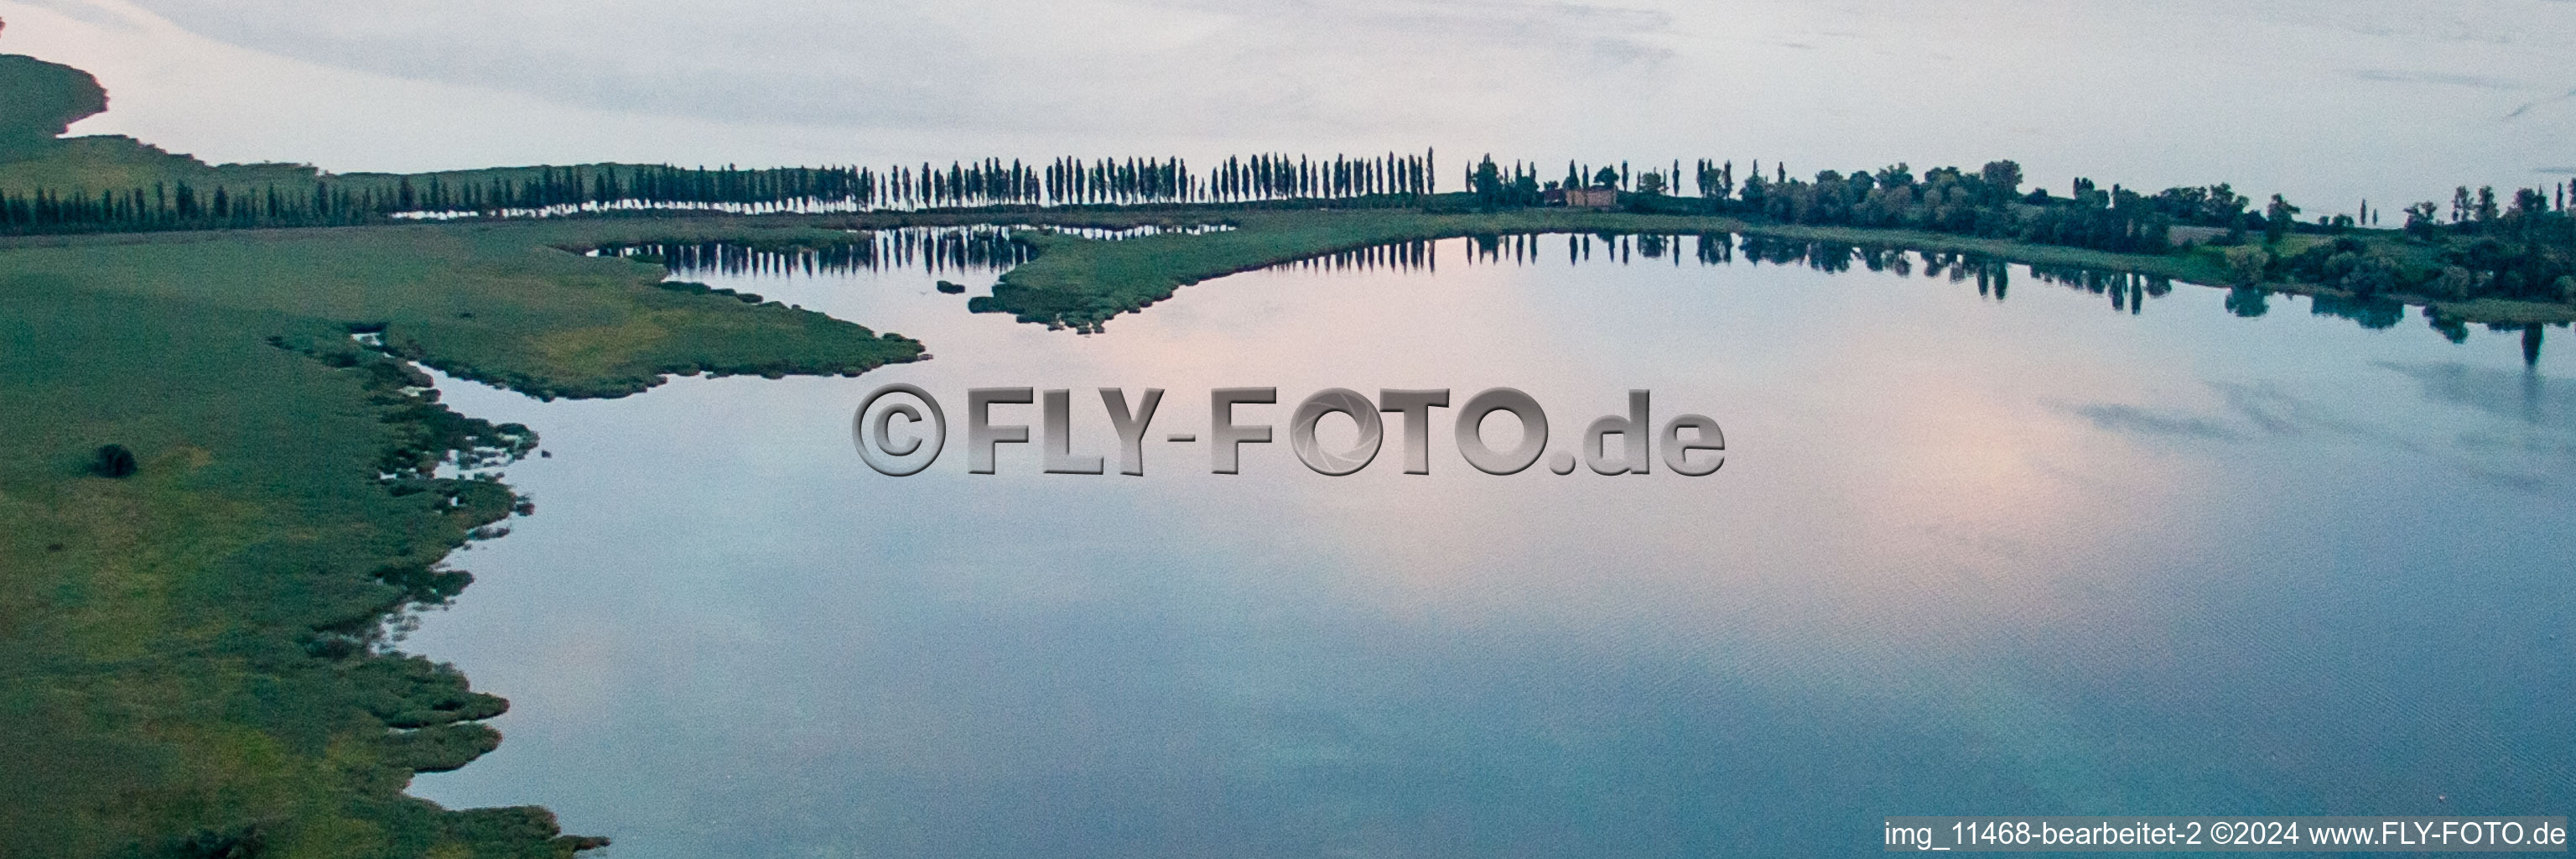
191, 665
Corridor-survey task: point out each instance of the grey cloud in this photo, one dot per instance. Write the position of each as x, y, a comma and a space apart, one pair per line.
2530, 452
85, 13
2251, 410
1138, 68
2131, 419
2517, 395
2441, 78
2529, 106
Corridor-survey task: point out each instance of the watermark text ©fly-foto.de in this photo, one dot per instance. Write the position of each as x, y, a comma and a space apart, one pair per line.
901, 429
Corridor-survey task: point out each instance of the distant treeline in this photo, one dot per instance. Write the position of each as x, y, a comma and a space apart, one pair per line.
372, 198
2521, 248
2524, 249
1989, 202
1391, 179
2521, 245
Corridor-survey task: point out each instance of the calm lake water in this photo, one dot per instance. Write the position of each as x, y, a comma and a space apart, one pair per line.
1968, 555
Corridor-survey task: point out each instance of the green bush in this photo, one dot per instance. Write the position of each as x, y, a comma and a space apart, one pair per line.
114, 461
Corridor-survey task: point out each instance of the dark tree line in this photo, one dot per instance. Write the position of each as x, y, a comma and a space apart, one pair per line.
368, 198
1987, 203
1391, 179
1280, 177
1494, 185
168, 206
988, 183
2522, 248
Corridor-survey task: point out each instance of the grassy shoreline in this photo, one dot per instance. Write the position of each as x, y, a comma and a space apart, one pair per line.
196, 655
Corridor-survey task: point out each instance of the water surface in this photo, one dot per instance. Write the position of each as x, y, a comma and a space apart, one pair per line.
1970, 554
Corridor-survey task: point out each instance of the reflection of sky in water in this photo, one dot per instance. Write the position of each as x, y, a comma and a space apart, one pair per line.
1966, 556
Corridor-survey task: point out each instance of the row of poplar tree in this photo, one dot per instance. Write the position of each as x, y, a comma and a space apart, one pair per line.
373, 198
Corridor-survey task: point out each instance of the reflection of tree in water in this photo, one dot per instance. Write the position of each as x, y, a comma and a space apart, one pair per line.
894, 249
2128, 291
2522, 396
2381, 313
1715, 248
2375, 313
1400, 256
930, 249
1520, 249
991, 248
2249, 302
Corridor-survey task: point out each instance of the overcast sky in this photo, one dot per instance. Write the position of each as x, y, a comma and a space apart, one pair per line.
2327, 99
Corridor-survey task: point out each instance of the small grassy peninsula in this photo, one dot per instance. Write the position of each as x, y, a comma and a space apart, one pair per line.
1081, 283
